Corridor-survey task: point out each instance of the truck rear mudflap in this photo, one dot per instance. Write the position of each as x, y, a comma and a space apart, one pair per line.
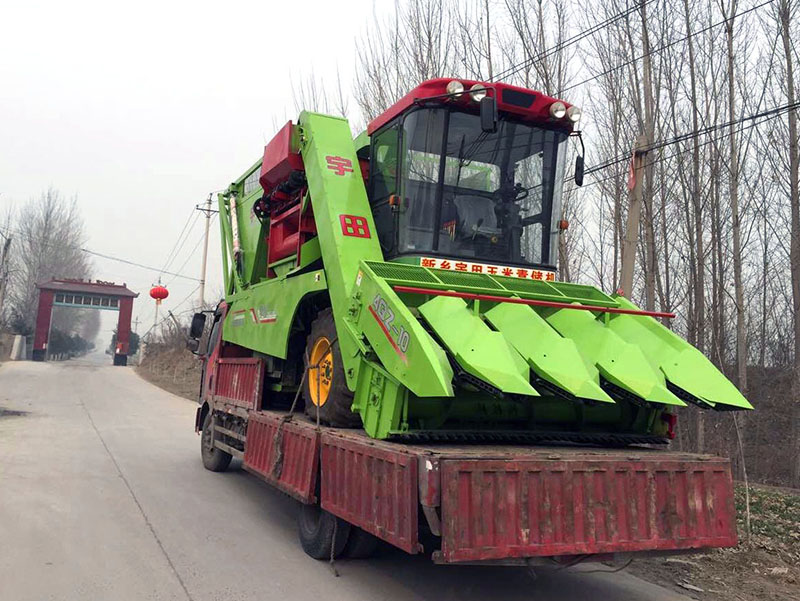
569, 503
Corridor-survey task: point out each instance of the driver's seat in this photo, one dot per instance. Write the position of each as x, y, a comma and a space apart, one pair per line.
475, 213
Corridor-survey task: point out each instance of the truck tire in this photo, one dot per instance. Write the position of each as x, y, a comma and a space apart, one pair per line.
214, 459
360, 544
317, 529
333, 397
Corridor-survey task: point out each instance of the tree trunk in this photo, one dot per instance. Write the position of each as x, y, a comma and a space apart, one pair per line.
698, 286
736, 228
784, 12
649, 131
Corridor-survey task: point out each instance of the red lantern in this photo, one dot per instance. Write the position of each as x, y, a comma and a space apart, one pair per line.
159, 293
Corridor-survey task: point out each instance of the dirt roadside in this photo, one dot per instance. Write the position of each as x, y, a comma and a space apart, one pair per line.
766, 568
175, 370
6, 341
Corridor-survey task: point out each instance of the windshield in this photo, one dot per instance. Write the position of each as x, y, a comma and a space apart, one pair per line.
471, 194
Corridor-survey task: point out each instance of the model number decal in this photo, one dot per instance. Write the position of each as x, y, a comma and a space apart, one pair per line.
397, 335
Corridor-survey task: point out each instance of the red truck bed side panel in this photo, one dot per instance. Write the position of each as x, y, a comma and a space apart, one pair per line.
238, 381
502, 508
371, 486
284, 453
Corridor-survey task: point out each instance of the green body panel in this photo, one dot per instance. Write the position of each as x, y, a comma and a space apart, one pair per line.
552, 357
480, 351
230, 278
332, 197
380, 400
681, 363
406, 350
260, 318
620, 363
251, 231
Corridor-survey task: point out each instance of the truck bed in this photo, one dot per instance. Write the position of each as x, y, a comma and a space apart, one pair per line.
498, 502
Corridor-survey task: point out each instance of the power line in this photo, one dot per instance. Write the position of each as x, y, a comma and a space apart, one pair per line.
674, 154
104, 256
514, 69
183, 229
135, 264
775, 112
664, 47
181, 242
189, 257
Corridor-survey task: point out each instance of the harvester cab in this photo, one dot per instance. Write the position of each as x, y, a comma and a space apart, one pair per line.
407, 281
445, 184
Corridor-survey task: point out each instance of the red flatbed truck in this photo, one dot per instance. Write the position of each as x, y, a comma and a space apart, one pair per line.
470, 503
413, 269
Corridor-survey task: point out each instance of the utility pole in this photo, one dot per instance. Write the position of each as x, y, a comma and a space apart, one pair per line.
208, 211
4, 271
635, 177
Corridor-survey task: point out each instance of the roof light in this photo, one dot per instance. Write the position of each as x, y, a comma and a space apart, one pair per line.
574, 114
558, 110
477, 92
455, 87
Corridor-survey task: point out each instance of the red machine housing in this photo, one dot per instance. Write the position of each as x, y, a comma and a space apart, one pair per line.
290, 225
280, 159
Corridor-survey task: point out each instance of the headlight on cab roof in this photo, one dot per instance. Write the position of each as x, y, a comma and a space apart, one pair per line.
574, 114
477, 92
455, 87
558, 110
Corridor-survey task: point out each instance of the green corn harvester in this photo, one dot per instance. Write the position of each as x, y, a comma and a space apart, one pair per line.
406, 281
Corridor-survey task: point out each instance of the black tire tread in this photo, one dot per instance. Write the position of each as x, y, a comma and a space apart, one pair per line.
336, 410
215, 460
316, 528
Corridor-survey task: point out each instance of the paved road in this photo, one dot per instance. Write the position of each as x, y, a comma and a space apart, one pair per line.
103, 497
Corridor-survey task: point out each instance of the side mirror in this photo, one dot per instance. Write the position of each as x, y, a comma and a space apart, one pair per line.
198, 325
193, 344
488, 114
579, 170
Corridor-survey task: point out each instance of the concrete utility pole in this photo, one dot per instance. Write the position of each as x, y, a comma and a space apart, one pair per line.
634, 215
208, 211
4, 270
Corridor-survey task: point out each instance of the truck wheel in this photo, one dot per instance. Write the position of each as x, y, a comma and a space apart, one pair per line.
214, 459
317, 528
360, 544
325, 386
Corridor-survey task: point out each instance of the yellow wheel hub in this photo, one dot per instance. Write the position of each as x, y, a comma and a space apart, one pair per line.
320, 371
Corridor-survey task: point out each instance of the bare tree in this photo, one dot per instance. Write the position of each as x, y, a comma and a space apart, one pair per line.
48, 237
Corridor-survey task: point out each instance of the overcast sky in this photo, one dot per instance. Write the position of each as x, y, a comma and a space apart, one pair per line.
140, 109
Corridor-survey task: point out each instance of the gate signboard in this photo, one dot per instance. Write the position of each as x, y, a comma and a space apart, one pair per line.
84, 294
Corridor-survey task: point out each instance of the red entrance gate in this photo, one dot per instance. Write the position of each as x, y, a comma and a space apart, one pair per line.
84, 295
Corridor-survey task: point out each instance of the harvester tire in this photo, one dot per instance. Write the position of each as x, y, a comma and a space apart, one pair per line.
317, 529
361, 544
214, 459
325, 379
